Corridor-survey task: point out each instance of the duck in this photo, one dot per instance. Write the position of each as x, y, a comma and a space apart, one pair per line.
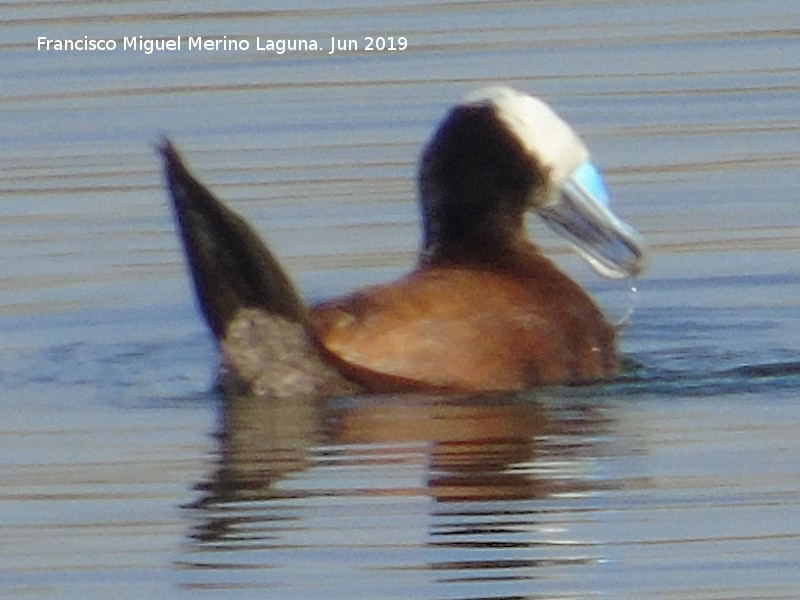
482, 310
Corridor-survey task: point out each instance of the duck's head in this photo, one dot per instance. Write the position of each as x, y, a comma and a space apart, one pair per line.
501, 154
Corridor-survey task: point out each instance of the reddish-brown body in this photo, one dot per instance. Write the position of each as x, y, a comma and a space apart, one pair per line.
509, 326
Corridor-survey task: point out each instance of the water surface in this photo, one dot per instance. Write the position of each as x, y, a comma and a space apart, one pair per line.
123, 474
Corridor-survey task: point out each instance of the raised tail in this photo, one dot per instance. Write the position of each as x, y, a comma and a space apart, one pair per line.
232, 269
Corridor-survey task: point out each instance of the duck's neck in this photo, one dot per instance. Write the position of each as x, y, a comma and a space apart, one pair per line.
466, 232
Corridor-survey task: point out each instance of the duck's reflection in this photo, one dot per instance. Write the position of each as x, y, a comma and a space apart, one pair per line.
259, 444
308, 497
470, 441
467, 448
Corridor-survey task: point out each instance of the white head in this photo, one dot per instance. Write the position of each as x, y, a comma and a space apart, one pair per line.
539, 130
571, 197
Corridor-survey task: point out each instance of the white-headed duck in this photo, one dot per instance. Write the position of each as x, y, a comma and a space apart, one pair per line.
483, 310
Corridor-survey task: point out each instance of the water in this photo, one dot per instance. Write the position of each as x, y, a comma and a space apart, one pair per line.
123, 474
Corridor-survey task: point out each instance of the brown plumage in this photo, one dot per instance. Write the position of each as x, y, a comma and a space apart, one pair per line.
482, 311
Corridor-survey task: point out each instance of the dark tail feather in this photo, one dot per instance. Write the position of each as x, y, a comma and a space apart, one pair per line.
231, 266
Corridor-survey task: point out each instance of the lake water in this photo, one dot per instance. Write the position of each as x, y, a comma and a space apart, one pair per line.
122, 475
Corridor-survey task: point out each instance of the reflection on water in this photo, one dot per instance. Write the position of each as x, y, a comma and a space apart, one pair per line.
119, 479
624, 489
449, 490
465, 448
